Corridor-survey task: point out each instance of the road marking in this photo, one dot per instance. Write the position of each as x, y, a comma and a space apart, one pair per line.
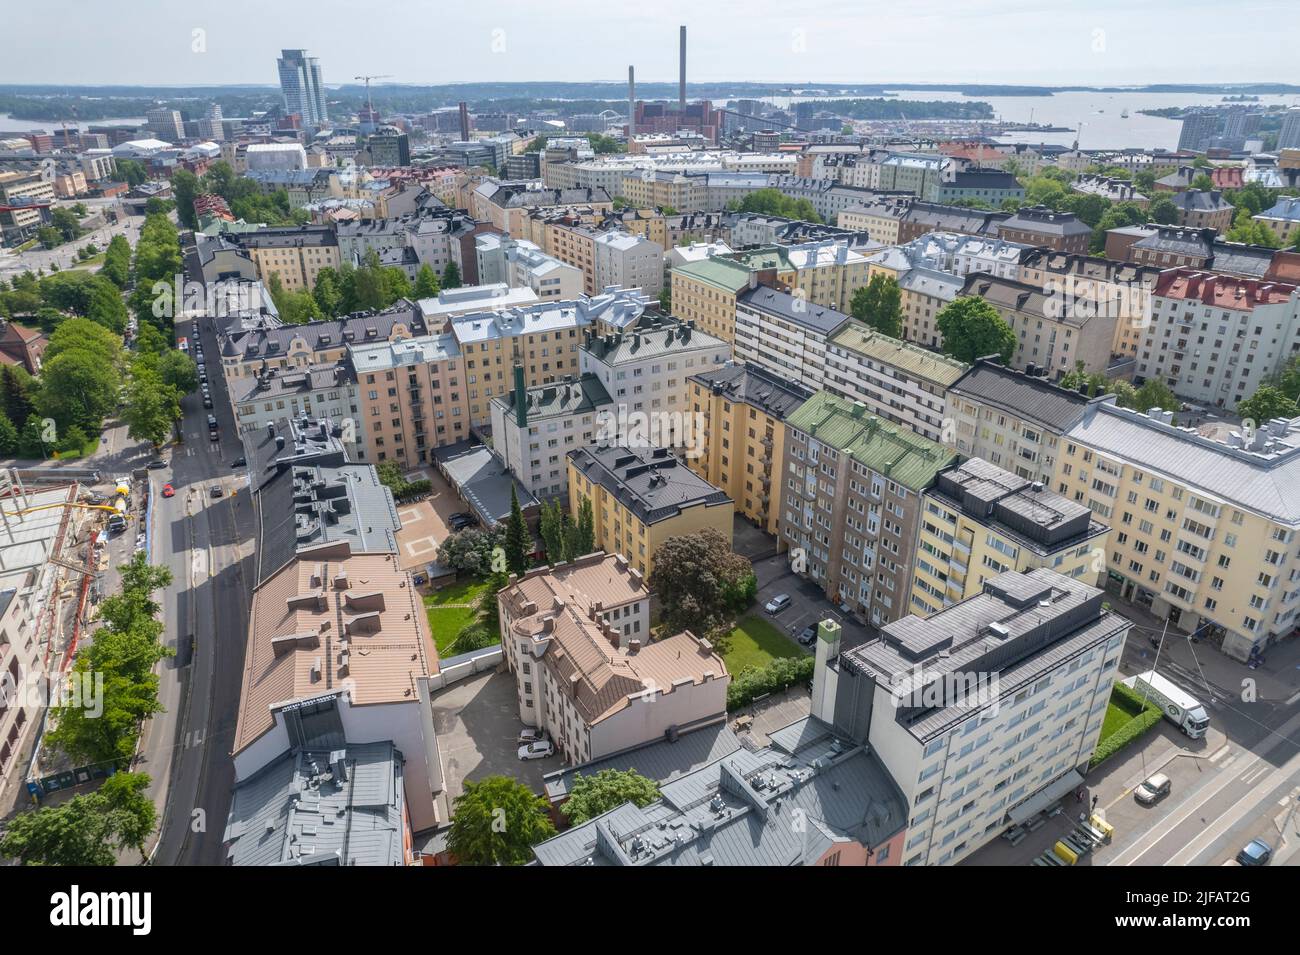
1221, 752
1229, 761
1259, 772
1295, 698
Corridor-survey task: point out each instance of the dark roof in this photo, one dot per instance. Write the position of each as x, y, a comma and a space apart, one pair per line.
983, 179
651, 483
286, 237
306, 493
320, 336
1047, 221
754, 386
1035, 399
819, 318
941, 218
1200, 200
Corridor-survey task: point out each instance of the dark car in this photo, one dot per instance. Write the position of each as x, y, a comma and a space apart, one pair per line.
239, 463
156, 465
216, 491
207, 402
807, 636
1256, 852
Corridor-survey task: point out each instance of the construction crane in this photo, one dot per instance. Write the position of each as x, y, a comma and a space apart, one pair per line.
46, 507
381, 76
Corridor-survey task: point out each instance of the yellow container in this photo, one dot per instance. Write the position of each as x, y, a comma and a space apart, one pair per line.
1066, 853
1102, 825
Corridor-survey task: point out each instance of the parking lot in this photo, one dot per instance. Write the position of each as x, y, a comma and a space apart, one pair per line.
477, 722
424, 523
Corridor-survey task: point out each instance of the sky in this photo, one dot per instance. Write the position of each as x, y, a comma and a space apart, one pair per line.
1042, 42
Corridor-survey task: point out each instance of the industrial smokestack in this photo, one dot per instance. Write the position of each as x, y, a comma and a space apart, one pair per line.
631, 104
464, 122
681, 82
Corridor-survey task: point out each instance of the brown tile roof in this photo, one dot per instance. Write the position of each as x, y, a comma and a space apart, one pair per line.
324, 603
601, 578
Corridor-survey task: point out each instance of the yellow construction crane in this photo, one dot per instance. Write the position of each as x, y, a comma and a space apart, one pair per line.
88, 507
381, 76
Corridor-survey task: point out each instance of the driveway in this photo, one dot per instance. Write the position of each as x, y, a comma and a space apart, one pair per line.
808, 604
477, 722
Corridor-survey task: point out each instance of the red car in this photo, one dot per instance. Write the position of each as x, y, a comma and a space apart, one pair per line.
168, 490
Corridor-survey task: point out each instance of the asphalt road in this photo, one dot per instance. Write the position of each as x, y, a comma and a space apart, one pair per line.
12, 264
208, 544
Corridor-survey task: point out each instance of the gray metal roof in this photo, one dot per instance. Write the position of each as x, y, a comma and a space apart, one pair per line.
741, 809
1265, 481
819, 318
756, 386
300, 810
1032, 398
651, 483
483, 480
662, 761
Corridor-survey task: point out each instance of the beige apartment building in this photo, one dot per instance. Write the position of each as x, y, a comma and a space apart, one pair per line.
1204, 532
1120, 288
743, 410
295, 254
981, 521
880, 220
1051, 333
651, 189
898, 381
923, 294
641, 497
412, 395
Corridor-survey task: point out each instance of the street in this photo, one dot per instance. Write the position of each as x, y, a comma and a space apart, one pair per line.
207, 543
16, 263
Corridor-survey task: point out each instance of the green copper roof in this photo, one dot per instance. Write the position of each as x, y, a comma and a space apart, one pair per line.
896, 452
721, 273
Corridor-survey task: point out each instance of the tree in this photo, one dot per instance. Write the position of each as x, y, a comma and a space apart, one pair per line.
1096, 383
1266, 404
497, 821
327, 293
470, 551
1248, 230
65, 220
426, 282
697, 578
583, 540
879, 305
152, 407
178, 370
88, 829
518, 542
78, 388
130, 171
591, 796
1154, 393
1163, 210
972, 328
185, 186
451, 276
117, 261
666, 300
1202, 182
8, 436
552, 524
773, 202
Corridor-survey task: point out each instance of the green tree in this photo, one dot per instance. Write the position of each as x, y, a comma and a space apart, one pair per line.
152, 407
185, 186
78, 388
497, 821
8, 436
697, 577
518, 542
178, 370
65, 220
1202, 182
1266, 404
117, 261
1154, 393
130, 171
426, 282
580, 535
326, 292
879, 305
31, 440
972, 328
87, 830
551, 525
591, 796
451, 276
1163, 210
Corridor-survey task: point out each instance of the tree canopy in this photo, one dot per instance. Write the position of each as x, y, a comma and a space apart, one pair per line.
497, 821
701, 583
972, 328
590, 796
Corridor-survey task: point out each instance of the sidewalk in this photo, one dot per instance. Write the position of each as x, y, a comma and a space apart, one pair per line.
1277, 681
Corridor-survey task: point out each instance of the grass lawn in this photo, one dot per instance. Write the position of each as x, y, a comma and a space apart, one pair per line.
93, 262
447, 621
1118, 712
754, 643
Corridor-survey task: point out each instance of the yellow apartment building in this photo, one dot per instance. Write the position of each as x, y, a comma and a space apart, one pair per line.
641, 497
741, 411
978, 521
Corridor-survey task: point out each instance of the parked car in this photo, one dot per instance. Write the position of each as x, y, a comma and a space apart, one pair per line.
1256, 852
207, 402
531, 734
807, 636
168, 490
212, 422
215, 491
1151, 791
538, 750
239, 463
777, 604
156, 465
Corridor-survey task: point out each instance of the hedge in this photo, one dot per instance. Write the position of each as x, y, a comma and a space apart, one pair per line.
1149, 716
776, 675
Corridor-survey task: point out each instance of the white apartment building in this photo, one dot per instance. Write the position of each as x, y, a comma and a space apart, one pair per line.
964, 254
1213, 339
986, 712
518, 263
318, 391
645, 368
534, 429
896, 380
628, 261
576, 638
785, 334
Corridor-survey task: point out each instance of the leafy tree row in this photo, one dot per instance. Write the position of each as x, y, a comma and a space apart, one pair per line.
772, 202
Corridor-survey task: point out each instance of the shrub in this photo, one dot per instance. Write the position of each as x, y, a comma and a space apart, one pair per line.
1148, 716
777, 675
476, 636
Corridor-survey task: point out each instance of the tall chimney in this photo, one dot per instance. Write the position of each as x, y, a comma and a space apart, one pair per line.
631, 104
464, 122
681, 82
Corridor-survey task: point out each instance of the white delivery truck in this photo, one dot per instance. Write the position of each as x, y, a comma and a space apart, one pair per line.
1180, 707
